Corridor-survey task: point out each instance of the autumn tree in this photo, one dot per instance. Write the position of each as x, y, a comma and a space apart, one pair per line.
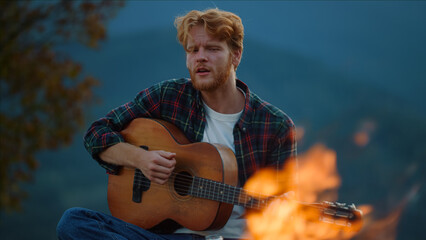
43, 92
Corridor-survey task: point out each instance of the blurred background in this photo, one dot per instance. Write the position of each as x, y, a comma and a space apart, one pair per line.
351, 74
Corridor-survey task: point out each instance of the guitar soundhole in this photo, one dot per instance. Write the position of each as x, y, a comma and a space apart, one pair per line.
182, 183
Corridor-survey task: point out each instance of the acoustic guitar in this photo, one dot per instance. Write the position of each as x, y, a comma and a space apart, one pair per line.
201, 192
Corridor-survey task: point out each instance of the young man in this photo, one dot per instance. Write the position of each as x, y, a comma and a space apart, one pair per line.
212, 106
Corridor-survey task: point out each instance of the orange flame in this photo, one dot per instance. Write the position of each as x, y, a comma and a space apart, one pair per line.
318, 174
288, 218
284, 218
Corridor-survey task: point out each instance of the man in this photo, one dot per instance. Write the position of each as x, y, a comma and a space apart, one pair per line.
212, 106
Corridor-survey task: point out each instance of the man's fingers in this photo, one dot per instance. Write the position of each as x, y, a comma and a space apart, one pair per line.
160, 178
159, 181
156, 176
166, 159
159, 169
157, 166
168, 155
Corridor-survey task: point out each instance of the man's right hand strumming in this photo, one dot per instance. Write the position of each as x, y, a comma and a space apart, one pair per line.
157, 166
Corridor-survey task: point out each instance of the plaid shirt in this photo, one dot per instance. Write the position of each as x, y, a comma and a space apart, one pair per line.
264, 136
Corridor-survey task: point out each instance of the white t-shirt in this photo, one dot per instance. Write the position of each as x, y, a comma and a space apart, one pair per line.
219, 129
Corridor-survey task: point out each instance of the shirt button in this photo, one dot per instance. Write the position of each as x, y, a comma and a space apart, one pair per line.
244, 129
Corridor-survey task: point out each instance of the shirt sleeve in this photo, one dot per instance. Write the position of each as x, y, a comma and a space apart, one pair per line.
284, 156
105, 132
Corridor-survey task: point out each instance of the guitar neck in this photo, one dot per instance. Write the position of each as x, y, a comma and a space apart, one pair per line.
220, 192
330, 212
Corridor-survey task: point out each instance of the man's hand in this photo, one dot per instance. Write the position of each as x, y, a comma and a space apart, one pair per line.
157, 166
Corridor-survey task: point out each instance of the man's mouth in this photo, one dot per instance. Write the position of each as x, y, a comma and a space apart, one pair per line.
202, 71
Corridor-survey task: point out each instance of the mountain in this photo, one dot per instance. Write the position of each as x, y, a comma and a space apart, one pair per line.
329, 105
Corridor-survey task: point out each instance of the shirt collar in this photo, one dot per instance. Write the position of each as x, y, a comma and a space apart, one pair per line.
245, 119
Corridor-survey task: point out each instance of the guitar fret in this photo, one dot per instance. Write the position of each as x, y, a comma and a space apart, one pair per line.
237, 193
202, 188
214, 188
220, 197
230, 195
208, 189
197, 188
227, 193
191, 190
223, 192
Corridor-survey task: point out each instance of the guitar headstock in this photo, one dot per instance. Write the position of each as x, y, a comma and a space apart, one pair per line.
340, 214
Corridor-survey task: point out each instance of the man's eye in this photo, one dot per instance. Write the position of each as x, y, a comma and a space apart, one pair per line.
191, 50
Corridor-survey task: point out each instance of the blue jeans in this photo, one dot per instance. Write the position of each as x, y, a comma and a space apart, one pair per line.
81, 223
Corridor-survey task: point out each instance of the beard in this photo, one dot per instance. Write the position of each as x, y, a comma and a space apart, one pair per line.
220, 76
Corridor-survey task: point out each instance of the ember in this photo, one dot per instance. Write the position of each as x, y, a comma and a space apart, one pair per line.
363, 135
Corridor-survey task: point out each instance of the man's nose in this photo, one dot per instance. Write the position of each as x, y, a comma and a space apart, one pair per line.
201, 55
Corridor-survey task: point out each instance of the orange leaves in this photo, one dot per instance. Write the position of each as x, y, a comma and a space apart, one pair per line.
43, 92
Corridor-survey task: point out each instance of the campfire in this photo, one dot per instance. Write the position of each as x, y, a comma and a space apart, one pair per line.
301, 212
306, 208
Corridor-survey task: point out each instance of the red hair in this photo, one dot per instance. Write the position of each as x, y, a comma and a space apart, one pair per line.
219, 24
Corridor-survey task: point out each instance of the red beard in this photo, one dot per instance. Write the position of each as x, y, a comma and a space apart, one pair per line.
219, 77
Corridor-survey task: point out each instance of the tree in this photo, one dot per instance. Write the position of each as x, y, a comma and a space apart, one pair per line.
43, 93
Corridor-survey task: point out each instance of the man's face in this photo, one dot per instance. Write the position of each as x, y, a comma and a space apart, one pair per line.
208, 60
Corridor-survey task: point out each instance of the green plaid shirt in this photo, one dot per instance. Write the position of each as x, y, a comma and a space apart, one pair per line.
264, 136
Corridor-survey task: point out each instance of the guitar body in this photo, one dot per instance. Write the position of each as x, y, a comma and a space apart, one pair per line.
168, 201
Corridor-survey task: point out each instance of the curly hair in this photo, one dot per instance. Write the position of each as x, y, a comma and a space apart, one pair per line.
218, 23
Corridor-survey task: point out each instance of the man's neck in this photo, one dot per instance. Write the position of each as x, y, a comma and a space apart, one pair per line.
226, 99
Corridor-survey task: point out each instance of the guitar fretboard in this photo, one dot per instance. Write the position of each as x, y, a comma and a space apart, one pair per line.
217, 191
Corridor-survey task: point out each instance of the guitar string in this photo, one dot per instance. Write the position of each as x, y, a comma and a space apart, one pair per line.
184, 183
207, 193
247, 194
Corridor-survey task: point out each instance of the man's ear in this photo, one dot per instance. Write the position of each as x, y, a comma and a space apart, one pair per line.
236, 58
